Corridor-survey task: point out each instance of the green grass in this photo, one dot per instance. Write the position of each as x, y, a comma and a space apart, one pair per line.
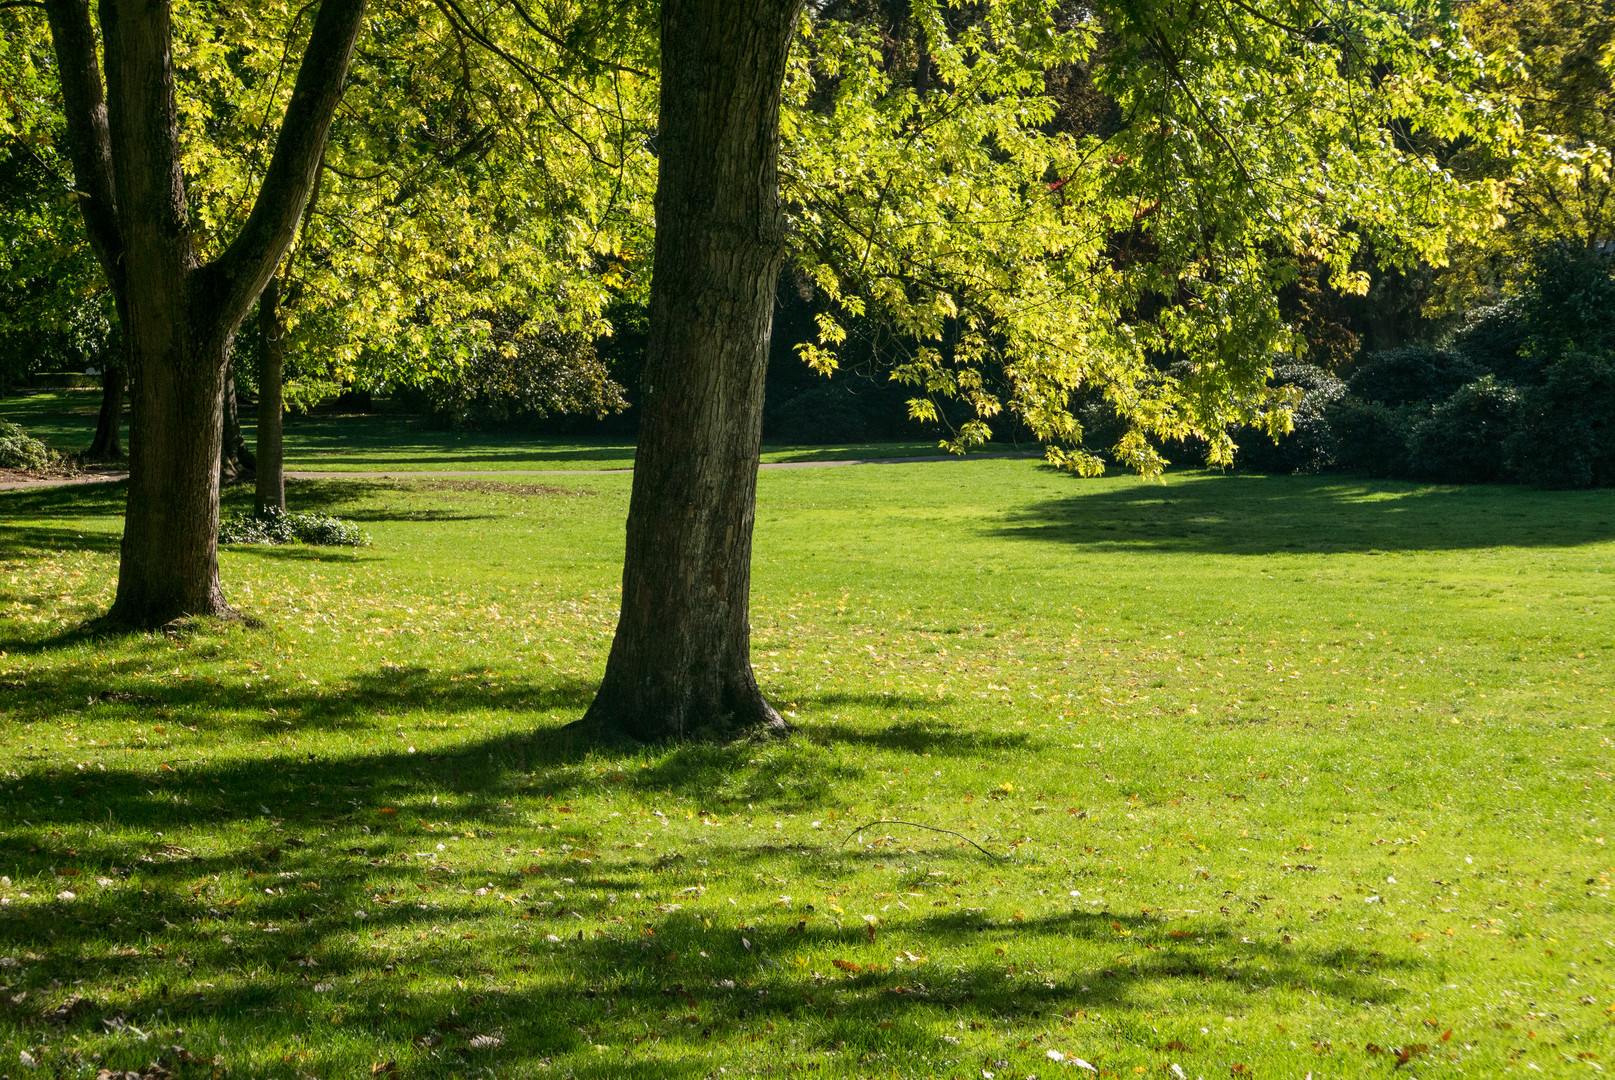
399, 442
1292, 775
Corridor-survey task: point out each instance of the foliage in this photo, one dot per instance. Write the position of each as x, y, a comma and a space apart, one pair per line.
1548, 62
533, 375
824, 414
483, 191
1570, 299
1463, 438
1495, 337
956, 640
480, 183
1311, 445
55, 311
1135, 245
1371, 437
276, 526
1566, 432
19, 450
1410, 376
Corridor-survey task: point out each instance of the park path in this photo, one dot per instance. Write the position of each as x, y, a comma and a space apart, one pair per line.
20, 484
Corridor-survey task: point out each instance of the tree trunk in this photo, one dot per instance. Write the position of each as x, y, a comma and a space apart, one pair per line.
108, 442
178, 316
271, 405
680, 665
236, 461
169, 566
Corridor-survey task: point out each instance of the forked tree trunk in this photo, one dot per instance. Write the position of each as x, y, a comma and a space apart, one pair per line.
271, 403
680, 665
108, 442
178, 315
236, 461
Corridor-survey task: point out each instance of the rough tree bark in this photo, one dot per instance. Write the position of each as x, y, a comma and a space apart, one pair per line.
108, 442
179, 315
271, 403
680, 665
236, 461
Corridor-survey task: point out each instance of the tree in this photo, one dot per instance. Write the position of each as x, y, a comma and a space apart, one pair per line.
680, 664
178, 313
927, 178
1552, 65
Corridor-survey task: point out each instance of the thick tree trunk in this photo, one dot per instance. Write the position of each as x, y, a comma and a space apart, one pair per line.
108, 442
271, 404
169, 566
680, 666
236, 461
178, 315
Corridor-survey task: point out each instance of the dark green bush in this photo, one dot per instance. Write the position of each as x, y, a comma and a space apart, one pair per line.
19, 450
278, 527
1570, 299
1565, 437
1496, 339
1411, 375
1462, 439
825, 414
1311, 446
1371, 437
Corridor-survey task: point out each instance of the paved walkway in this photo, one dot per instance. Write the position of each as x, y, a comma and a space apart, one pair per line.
496, 474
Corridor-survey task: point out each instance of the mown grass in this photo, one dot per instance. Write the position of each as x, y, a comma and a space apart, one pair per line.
402, 442
1288, 775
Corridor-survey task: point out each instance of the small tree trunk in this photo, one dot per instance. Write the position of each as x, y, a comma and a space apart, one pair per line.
271, 406
235, 457
108, 442
680, 665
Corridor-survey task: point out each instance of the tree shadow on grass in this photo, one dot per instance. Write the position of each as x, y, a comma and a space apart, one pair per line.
72, 500
919, 737
1245, 514
630, 990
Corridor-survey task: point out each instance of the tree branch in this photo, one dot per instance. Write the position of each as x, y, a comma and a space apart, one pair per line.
89, 140
237, 276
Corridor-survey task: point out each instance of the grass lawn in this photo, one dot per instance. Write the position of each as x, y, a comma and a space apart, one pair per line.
398, 442
1281, 777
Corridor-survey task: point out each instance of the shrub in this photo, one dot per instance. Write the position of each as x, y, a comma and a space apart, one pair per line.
1462, 439
1496, 339
1411, 375
1565, 437
523, 377
278, 527
1312, 445
1371, 437
1570, 298
19, 450
825, 414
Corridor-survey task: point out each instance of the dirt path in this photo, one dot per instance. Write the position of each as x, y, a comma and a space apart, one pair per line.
18, 482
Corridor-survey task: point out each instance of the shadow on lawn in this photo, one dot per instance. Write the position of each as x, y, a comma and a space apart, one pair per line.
1244, 514
650, 995
322, 838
